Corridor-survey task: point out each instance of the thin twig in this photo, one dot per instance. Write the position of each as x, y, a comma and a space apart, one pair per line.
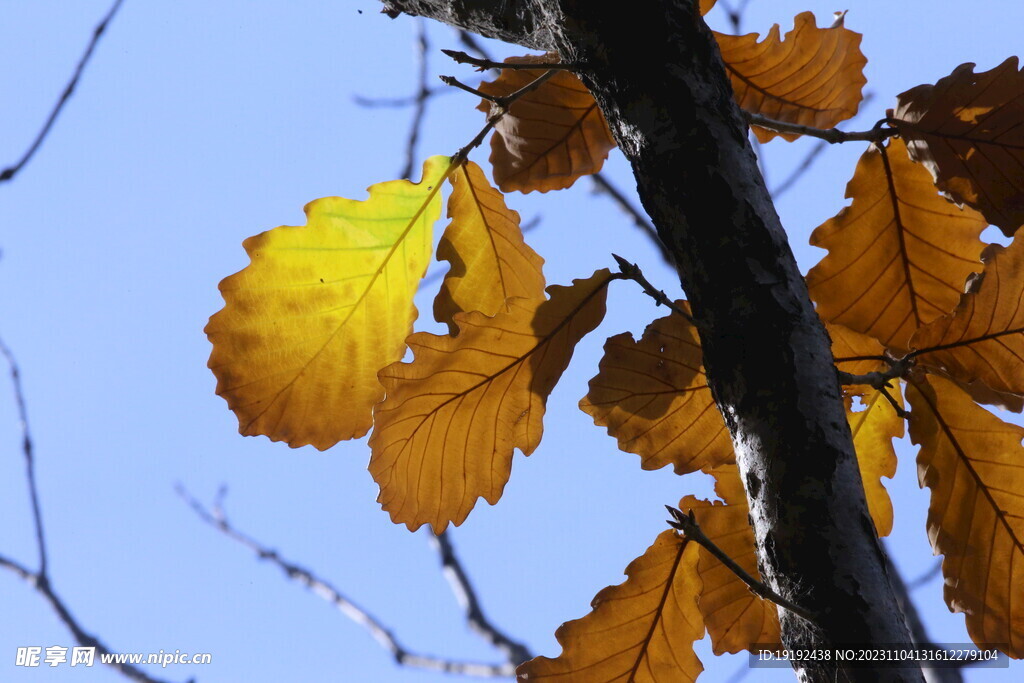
470, 42
687, 523
639, 217
926, 577
422, 97
465, 594
323, 589
830, 135
11, 171
631, 271
485, 64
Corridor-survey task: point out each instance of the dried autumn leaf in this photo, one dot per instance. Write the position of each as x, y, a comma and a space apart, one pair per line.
899, 255
640, 631
966, 130
550, 136
444, 435
855, 353
812, 78
982, 339
321, 308
974, 464
734, 616
873, 428
490, 262
653, 397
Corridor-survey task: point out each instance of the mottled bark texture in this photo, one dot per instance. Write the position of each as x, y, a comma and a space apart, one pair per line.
656, 72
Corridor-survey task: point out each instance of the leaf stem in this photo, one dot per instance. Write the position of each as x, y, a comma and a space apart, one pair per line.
831, 135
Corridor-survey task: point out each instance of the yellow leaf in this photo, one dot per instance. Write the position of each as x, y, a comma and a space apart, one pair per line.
874, 427
320, 309
490, 262
551, 136
734, 616
855, 353
899, 255
653, 397
982, 341
966, 130
813, 77
641, 631
974, 464
444, 435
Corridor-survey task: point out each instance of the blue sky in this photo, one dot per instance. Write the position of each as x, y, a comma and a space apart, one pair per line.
199, 124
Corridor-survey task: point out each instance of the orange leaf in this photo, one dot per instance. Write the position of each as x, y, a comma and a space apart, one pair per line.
653, 397
734, 616
873, 428
813, 77
982, 339
899, 255
551, 136
974, 464
966, 130
490, 262
855, 353
444, 435
640, 631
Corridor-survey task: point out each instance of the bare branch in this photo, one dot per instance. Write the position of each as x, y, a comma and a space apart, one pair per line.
926, 577
640, 219
484, 64
631, 271
422, 97
217, 519
465, 593
97, 33
830, 135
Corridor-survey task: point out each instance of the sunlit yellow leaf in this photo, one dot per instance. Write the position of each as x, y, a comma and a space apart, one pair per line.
899, 255
444, 435
813, 77
551, 136
490, 262
983, 339
874, 427
320, 309
653, 397
641, 631
734, 616
974, 464
855, 353
967, 130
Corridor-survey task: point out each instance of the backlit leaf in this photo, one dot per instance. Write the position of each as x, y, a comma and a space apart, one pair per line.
321, 308
855, 353
490, 262
967, 130
899, 255
444, 435
982, 339
734, 616
874, 427
641, 631
813, 77
653, 397
551, 136
974, 464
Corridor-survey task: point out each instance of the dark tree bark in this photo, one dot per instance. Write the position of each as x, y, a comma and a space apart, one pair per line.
656, 72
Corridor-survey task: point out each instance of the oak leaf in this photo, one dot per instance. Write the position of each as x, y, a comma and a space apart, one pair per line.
321, 308
550, 136
813, 77
873, 428
444, 435
966, 130
653, 397
640, 631
974, 464
490, 262
899, 255
855, 353
983, 339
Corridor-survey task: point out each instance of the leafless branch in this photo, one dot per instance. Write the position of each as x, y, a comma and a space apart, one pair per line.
217, 519
640, 219
11, 171
830, 135
485, 64
422, 97
631, 271
927, 577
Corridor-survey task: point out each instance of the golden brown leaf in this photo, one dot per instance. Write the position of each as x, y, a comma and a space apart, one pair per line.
490, 262
444, 435
653, 397
899, 255
551, 136
966, 129
983, 339
321, 308
641, 631
855, 353
813, 77
974, 464
874, 427
734, 616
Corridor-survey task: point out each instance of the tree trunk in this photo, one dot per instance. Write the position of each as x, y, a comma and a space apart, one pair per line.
655, 70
